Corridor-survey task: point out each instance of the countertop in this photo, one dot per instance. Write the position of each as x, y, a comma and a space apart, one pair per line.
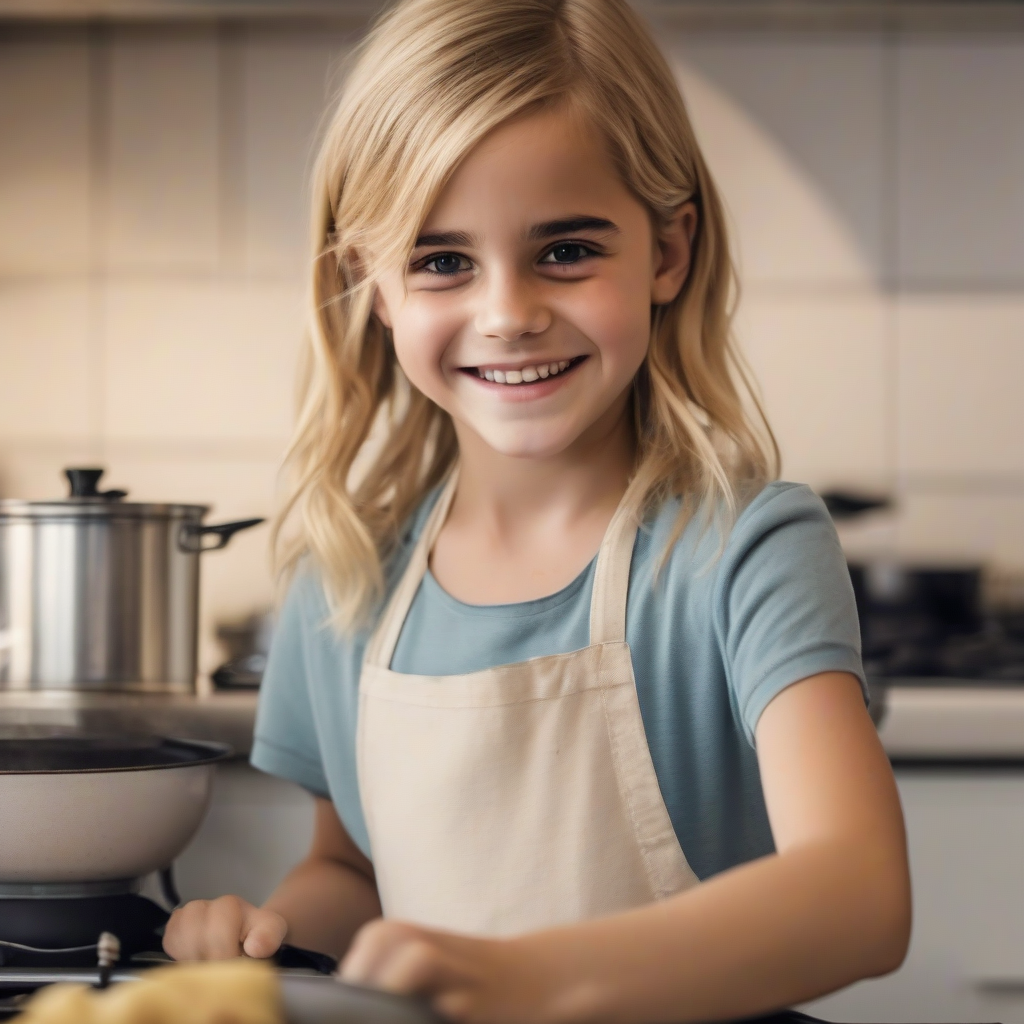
220, 716
919, 720
952, 720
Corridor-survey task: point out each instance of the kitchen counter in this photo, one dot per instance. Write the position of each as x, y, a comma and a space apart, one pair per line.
919, 720
218, 716
952, 720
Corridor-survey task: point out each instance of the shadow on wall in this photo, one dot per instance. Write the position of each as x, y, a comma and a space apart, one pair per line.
801, 210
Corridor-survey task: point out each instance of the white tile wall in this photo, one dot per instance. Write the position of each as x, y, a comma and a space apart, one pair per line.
47, 383
961, 162
823, 366
195, 360
162, 188
153, 232
44, 153
821, 105
788, 233
288, 81
34, 469
961, 385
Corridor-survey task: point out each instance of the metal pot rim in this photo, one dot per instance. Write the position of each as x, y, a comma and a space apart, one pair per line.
210, 753
72, 509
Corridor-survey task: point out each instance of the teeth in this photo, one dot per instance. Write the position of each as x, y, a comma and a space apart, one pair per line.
527, 375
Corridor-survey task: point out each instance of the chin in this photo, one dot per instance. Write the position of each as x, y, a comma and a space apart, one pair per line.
528, 444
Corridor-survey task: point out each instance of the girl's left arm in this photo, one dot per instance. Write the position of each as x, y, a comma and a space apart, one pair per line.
830, 907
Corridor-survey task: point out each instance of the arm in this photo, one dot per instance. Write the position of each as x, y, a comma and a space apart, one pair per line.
830, 907
320, 905
330, 895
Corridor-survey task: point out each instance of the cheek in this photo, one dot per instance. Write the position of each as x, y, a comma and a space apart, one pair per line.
422, 333
616, 317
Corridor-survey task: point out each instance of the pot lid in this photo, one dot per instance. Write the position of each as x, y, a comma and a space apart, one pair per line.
87, 501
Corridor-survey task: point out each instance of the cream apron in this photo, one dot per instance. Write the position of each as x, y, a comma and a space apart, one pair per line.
519, 797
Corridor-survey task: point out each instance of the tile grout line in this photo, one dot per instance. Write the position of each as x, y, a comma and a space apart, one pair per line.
231, 51
891, 291
99, 107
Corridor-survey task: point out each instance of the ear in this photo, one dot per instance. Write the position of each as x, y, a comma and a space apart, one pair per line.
380, 309
673, 249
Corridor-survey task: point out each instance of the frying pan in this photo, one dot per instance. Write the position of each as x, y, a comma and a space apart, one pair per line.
318, 999
85, 808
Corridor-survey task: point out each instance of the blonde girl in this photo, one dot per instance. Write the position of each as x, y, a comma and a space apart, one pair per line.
576, 685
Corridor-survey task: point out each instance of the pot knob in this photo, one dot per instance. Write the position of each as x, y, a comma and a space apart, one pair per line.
85, 484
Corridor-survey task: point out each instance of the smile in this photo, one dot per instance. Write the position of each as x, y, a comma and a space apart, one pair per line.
526, 374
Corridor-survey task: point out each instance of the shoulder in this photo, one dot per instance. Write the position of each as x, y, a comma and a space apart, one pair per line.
712, 540
783, 538
782, 501
307, 603
781, 513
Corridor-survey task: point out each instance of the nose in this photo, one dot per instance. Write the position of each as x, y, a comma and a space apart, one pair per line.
510, 309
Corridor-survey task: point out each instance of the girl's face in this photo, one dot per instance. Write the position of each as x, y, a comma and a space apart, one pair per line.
525, 309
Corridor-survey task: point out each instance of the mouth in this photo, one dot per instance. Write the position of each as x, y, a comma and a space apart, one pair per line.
531, 373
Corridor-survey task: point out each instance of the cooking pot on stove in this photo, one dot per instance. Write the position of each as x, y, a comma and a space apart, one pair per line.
97, 811
101, 593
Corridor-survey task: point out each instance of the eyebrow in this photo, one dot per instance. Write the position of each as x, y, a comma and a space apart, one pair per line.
549, 229
570, 226
445, 238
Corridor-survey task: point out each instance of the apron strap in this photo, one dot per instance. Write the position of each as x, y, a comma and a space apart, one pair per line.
611, 579
607, 604
382, 643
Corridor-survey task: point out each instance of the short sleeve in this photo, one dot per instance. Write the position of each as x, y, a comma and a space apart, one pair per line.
286, 743
785, 607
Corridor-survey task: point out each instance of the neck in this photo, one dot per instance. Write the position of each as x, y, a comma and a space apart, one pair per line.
510, 493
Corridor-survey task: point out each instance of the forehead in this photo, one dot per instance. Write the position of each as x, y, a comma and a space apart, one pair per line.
536, 168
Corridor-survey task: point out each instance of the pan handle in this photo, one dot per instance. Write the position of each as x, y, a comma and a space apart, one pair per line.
190, 539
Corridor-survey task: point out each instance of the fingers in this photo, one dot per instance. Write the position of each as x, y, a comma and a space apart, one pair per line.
221, 938
401, 958
216, 929
263, 931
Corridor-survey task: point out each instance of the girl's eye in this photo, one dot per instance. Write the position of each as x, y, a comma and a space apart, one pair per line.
567, 253
446, 264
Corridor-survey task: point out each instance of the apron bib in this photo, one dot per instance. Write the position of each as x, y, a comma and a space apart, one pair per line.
519, 797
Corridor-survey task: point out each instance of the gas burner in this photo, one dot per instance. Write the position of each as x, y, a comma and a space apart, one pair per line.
55, 931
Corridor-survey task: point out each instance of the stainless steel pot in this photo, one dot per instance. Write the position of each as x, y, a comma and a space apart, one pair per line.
100, 593
92, 809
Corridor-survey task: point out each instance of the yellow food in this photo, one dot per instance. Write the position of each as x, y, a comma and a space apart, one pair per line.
220, 992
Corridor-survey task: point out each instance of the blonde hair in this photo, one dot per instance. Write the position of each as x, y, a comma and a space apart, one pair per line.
431, 79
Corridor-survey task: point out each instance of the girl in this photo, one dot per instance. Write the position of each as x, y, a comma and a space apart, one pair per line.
577, 688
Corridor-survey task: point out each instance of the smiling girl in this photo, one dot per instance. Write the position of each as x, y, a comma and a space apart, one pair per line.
576, 685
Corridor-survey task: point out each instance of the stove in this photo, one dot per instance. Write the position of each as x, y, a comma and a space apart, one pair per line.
55, 934
92, 933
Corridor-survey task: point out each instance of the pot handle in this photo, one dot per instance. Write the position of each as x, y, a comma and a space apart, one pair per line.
190, 539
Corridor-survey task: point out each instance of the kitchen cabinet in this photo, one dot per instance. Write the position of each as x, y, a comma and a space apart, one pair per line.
966, 831
966, 959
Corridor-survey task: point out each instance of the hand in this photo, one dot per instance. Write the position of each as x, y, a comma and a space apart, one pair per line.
480, 981
223, 928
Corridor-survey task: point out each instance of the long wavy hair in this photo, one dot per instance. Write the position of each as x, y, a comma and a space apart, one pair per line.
431, 79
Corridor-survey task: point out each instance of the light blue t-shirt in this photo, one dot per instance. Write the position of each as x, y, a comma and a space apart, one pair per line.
714, 632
